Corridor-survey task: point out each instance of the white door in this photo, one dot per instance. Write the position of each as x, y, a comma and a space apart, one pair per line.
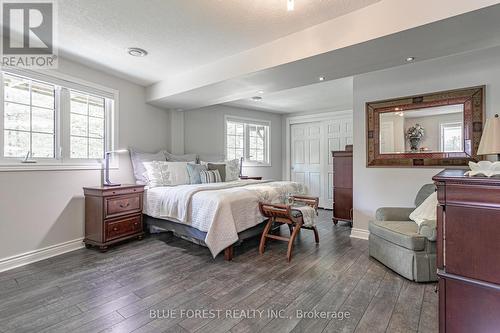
387, 137
306, 156
311, 161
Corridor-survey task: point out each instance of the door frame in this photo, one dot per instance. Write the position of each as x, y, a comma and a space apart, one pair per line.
309, 118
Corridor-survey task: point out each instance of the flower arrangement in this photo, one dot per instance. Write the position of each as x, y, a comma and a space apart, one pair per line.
416, 131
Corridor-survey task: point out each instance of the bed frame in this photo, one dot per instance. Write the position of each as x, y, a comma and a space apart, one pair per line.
196, 236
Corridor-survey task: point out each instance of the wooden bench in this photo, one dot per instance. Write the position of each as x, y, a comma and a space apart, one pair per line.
286, 214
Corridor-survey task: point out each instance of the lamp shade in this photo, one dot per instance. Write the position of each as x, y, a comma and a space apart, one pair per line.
490, 140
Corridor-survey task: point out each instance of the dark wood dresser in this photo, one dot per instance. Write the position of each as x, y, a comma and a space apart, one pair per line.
468, 249
112, 214
342, 185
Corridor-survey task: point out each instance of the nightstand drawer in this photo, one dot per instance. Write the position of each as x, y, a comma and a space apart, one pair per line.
121, 205
124, 227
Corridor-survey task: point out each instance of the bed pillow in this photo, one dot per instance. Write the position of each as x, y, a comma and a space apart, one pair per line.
194, 172
214, 158
138, 158
426, 211
180, 158
160, 173
221, 167
210, 176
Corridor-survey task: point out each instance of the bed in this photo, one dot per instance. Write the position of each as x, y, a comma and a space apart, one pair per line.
216, 215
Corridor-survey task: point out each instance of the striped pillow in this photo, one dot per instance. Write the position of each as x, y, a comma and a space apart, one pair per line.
210, 176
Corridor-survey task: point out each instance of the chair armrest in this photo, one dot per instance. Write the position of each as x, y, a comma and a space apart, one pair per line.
310, 201
428, 230
393, 214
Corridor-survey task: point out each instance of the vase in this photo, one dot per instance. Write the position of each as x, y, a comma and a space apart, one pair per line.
414, 142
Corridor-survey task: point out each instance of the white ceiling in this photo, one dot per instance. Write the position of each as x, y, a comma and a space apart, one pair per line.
328, 95
180, 35
474, 30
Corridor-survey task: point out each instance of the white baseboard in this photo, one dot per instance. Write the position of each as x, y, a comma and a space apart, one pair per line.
360, 233
40, 254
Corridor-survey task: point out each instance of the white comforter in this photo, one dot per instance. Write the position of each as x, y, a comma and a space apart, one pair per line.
222, 210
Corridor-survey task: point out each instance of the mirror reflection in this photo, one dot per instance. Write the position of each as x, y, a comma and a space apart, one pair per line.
435, 129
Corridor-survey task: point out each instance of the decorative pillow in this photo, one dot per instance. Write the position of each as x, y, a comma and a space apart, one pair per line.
138, 158
232, 170
210, 176
220, 167
194, 172
159, 173
426, 211
180, 158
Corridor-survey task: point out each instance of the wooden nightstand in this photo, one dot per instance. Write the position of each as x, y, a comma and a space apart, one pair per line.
112, 214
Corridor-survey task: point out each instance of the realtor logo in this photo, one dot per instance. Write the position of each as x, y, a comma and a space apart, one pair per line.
28, 34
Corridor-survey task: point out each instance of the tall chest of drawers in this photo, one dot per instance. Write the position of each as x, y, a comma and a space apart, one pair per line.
468, 248
112, 214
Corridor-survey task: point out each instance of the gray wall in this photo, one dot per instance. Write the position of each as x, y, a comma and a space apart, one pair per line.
204, 133
43, 208
376, 187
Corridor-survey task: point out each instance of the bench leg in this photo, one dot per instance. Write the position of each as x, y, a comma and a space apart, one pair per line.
263, 238
228, 253
316, 235
292, 239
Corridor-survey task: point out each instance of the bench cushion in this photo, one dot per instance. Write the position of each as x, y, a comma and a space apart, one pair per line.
402, 233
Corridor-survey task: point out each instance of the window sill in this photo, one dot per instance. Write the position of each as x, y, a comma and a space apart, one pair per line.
50, 167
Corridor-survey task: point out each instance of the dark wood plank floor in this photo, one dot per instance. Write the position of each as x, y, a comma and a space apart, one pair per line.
87, 291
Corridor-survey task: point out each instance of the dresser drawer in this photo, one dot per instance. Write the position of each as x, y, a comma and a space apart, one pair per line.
119, 228
121, 205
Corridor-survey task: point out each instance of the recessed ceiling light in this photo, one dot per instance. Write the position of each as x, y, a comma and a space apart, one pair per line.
257, 98
260, 92
321, 78
137, 52
410, 59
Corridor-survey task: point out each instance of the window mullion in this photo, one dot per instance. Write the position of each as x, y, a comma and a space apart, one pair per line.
65, 121
246, 142
31, 119
2, 107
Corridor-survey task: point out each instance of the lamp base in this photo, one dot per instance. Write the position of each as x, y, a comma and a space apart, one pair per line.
110, 184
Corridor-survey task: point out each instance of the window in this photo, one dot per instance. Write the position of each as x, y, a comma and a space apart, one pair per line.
248, 139
451, 137
87, 126
29, 118
53, 120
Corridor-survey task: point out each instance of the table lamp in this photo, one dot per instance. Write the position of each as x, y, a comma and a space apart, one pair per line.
489, 145
107, 155
490, 141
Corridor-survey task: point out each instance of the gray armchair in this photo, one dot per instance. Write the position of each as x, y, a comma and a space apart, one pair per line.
401, 244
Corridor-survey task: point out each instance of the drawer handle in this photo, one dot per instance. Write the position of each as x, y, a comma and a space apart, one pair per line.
136, 223
125, 206
115, 229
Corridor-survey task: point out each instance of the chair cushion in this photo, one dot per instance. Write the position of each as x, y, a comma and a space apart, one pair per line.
296, 213
402, 233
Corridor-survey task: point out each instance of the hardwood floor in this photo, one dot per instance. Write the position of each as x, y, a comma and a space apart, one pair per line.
88, 291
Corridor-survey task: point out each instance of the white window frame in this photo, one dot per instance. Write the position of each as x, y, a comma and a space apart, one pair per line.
246, 144
62, 161
441, 135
